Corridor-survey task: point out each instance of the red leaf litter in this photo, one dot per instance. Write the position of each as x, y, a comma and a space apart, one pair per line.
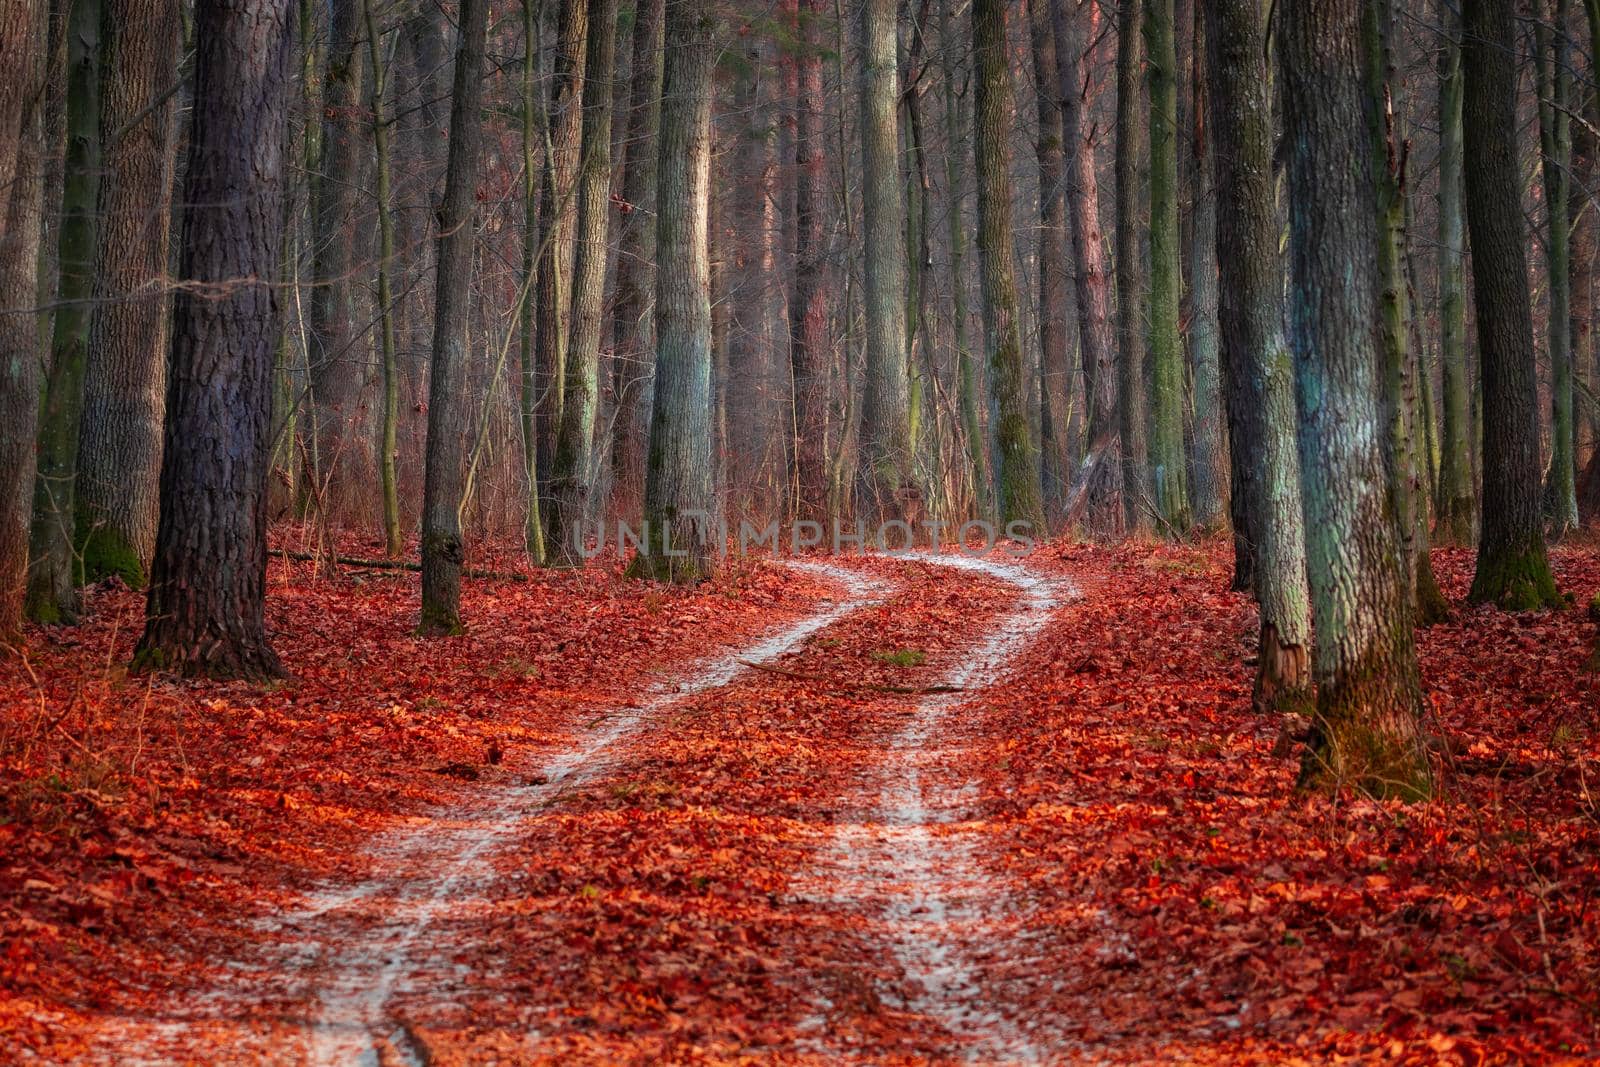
880, 810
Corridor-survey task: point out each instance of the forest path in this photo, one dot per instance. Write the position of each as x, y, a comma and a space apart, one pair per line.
909, 867
344, 953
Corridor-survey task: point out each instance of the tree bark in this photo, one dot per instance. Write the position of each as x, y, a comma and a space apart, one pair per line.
394, 542
1130, 272
1457, 497
966, 366
573, 466
1017, 476
678, 490
1250, 312
1555, 156
1365, 734
885, 489
1512, 570
1168, 472
342, 451
1096, 486
119, 442
532, 183
52, 593
635, 358
24, 30
450, 403
204, 613
809, 341
1209, 493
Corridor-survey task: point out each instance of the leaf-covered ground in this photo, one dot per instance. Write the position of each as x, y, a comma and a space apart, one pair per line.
877, 846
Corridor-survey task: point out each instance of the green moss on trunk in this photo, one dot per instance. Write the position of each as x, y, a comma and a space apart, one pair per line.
1517, 580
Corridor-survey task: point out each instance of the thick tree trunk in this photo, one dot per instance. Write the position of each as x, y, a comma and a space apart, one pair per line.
678, 491
966, 366
1365, 734
52, 594
1209, 494
885, 489
119, 442
635, 351
451, 410
1017, 476
1060, 414
1250, 312
1456, 494
532, 182
559, 216
1169, 473
1512, 569
338, 376
204, 614
809, 341
573, 468
1130, 271
1555, 144
1097, 485
23, 36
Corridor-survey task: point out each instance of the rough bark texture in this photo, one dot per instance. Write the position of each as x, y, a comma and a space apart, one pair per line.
1130, 271
393, 539
678, 490
1365, 734
204, 614
119, 444
1263, 416
23, 35
532, 183
1017, 476
1512, 569
1169, 475
559, 216
885, 489
1061, 416
966, 366
1457, 498
1096, 486
451, 409
635, 359
573, 468
52, 595
338, 375
1208, 495
809, 352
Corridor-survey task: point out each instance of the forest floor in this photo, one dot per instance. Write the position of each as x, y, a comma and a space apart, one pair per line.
880, 810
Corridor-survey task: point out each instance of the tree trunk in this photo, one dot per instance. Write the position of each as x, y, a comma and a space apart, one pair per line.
394, 542
1060, 415
809, 341
1168, 466
1130, 272
1555, 144
1456, 494
1209, 494
635, 350
1017, 476
532, 183
559, 216
1365, 734
52, 594
450, 402
1250, 311
23, 35
1512, 569
1098, 481
204, 614
342, 462
119, 441
885, 488
1389, 155
966, 366
573, 468
678, 489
